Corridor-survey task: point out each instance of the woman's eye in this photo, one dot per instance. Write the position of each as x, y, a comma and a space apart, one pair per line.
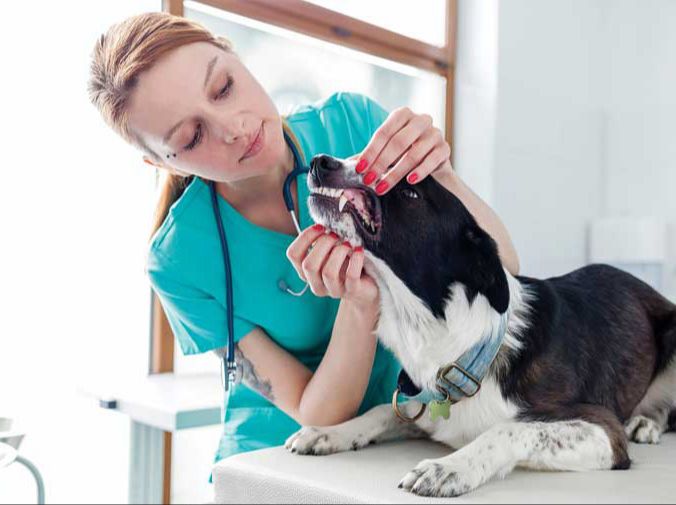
196, 139
225, 90
410, 193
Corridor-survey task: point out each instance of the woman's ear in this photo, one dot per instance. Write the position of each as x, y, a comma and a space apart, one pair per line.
150, 162
168, 168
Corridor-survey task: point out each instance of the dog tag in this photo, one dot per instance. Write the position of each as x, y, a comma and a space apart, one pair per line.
440, 409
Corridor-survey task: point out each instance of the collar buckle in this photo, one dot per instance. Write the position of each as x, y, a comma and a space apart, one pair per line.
441, 378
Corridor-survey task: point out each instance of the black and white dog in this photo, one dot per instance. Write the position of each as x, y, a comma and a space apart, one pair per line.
588, 359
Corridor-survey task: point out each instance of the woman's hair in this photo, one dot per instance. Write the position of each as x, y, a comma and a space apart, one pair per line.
120, 55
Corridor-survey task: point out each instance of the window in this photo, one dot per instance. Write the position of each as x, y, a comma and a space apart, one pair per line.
422, 23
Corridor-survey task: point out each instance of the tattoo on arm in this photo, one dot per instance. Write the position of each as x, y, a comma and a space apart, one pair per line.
247, 373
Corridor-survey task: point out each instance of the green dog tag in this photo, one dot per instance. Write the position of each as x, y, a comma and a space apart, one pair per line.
440, 409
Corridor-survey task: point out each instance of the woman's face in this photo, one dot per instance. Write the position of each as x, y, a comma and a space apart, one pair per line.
203, 105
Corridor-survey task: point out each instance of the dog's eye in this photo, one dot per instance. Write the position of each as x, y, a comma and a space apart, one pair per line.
410, 193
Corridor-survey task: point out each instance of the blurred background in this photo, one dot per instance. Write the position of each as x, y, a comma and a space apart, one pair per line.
561, 115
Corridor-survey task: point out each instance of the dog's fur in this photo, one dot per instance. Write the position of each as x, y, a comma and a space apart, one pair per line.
588, 360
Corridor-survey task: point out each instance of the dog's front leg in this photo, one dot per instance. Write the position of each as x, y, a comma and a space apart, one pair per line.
561, 445
377, 425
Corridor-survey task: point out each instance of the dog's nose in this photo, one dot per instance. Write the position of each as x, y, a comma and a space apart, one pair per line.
324, 162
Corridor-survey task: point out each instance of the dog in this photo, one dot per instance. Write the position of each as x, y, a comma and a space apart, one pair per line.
586, 360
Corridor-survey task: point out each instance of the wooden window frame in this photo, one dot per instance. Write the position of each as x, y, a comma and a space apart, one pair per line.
331, 26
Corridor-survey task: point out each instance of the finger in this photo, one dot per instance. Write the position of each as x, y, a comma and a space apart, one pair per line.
397, 147
434, 160
314, 262
332, 268
298, 249
392, 124
343, 269
409, 161
353, 272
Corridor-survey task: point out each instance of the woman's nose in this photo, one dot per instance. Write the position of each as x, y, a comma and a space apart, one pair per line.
230, 129
231, 134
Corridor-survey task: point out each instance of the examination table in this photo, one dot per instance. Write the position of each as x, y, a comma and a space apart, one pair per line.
371, 475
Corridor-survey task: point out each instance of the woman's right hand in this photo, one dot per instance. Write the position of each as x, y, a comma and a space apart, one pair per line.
332, 268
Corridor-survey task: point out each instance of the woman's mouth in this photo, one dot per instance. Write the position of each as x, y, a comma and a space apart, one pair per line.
256, 145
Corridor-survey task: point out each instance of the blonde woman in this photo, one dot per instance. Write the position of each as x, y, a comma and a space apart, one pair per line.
184, 98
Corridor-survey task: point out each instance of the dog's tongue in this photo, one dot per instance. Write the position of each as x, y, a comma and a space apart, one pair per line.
356, 198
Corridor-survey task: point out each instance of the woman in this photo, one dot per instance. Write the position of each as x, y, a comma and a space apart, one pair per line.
185, 99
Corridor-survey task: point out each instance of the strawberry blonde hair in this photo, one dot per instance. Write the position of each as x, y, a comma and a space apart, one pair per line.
120, 55
125, 51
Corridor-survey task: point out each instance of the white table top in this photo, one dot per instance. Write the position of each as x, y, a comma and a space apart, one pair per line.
166, 401
371, 475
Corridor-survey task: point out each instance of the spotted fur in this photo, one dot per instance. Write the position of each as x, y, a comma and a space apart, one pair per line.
588, 359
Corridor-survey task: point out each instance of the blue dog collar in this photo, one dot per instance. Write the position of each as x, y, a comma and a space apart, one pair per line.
462, 378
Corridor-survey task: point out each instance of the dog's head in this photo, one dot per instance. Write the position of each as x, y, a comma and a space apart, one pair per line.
422, 232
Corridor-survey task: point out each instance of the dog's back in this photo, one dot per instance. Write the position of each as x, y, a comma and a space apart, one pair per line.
599, 336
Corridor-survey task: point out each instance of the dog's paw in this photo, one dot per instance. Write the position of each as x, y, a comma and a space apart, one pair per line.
439, 478
643, 430
322, 441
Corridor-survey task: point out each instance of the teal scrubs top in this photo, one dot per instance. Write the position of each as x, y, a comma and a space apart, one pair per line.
185, 268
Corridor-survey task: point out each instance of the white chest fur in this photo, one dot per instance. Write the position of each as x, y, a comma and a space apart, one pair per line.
422, 344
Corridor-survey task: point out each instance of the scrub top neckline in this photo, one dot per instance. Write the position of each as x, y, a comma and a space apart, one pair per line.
233, 216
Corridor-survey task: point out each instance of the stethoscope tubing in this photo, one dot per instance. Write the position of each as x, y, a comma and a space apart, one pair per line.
229, 367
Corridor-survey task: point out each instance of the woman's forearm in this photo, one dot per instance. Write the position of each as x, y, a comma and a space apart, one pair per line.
335, 391
485, 217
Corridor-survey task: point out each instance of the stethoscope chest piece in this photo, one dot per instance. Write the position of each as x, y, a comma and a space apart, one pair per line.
283, 286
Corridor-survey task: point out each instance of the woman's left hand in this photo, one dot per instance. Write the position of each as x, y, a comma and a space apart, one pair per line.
405, 145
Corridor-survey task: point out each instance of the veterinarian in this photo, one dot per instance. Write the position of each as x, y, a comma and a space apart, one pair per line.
182, 96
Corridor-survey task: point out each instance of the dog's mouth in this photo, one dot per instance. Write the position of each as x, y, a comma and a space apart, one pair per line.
359, 202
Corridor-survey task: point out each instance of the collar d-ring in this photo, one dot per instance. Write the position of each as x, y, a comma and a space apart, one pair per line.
401, 415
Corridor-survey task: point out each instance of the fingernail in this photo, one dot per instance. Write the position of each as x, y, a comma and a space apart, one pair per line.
317, 227
361, 166
381, 187
412, 178
370, 177
347, 243
334, 235
358, 249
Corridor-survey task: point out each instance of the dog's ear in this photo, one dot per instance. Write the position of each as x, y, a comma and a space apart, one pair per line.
485, 269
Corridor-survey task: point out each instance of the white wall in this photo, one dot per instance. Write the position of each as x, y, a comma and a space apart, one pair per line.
475, 107
75, 212
585, 119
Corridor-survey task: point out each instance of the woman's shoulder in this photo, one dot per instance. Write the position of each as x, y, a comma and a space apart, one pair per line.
345, 102
340, 124
182, 229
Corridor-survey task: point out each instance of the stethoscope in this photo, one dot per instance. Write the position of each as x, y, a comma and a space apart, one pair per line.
229, 367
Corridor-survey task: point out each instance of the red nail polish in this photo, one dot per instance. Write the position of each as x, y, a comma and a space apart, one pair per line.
334, 235
381, 187
370, 177
347, 243
361, 166
317, 227
412, 178
358, 249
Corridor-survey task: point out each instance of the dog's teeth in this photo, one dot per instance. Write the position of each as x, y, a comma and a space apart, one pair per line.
342, 202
